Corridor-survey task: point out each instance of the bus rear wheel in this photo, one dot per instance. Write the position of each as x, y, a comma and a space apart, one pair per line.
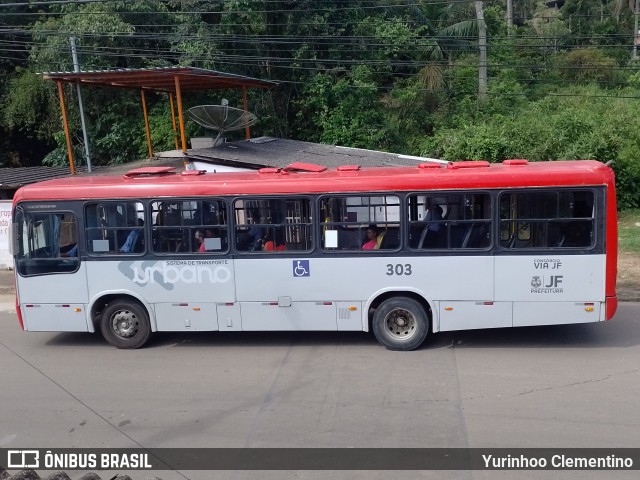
400, 323
125, 324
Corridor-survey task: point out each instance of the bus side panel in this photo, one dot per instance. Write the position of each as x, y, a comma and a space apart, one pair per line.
473, 315
54, 302
61, 317
229, 317
54, 287
347, 279
332, 292
184, 293
551, 289
549, 277
554, 313
186, 316
287, 315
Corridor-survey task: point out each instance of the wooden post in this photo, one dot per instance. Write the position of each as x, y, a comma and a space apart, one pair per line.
180, 116
146, 124
65, 123
247, 131
173, 120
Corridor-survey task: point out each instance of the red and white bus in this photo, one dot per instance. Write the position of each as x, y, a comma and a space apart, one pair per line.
458, 246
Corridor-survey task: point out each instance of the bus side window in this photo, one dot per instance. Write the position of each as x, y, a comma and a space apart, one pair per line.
442, 220
272, 225
45, 240
110, 225
547, 219
346, 220
177, 222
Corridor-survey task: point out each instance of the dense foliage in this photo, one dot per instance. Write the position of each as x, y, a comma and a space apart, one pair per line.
379, 74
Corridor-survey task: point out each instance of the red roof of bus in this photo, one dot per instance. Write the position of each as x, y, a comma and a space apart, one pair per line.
465, 175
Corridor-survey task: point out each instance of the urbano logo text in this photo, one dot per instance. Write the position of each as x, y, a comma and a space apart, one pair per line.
172, 274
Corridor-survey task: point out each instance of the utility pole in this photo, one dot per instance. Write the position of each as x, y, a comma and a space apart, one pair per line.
76, 68
509, 16
482, 52
636, 37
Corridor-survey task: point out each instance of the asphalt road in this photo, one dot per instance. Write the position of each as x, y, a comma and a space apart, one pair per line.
562, 386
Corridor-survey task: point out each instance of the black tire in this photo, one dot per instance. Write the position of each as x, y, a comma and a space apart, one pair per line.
400, 323
125, 324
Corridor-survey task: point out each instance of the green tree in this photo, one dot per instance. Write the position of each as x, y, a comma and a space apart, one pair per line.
345, 110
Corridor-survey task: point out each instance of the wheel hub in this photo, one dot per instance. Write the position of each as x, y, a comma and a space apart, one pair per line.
401, 324
125, 324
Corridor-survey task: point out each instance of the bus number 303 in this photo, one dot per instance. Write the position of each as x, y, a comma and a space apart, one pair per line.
399, 269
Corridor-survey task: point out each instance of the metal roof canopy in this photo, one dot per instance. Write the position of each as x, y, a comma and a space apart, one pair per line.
171, 80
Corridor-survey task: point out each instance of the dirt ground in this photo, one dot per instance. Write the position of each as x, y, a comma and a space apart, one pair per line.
628, 285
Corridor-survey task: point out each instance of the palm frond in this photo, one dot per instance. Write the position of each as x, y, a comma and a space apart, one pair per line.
431, 78
466, 28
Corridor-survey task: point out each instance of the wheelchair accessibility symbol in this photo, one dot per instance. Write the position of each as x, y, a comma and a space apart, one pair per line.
301, 268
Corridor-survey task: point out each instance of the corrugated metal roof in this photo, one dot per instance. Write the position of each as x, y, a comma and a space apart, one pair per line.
160, 79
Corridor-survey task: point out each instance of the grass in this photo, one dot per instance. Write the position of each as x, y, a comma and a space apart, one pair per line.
629, 231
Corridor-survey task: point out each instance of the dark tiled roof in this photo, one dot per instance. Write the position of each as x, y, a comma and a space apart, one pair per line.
280, 152
256, 153
14, 178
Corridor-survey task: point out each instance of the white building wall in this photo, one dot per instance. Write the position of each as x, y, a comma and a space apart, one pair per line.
6, 260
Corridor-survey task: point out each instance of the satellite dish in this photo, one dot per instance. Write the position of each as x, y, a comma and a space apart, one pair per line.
222, 118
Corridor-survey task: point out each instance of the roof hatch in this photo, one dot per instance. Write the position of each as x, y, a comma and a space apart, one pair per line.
469, 164
304, 167
149, 171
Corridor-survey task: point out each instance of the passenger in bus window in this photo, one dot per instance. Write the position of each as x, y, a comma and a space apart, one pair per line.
433, 215
256, 233
431, 235
371, 241
270, 246
275, 244
200, 236
72, 252
131, 242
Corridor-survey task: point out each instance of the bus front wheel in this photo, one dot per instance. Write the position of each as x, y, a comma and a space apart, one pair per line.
125, 324
400, 323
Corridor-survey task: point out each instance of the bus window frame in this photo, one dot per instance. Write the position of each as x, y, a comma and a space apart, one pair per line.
400, 195
116, 253
283, 197
191, 229
24, 211
490, 221
598, 221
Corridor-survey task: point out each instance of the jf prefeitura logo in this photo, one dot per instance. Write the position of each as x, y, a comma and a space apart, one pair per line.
548, 280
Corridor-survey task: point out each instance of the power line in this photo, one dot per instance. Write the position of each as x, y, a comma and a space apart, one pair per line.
235, 11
